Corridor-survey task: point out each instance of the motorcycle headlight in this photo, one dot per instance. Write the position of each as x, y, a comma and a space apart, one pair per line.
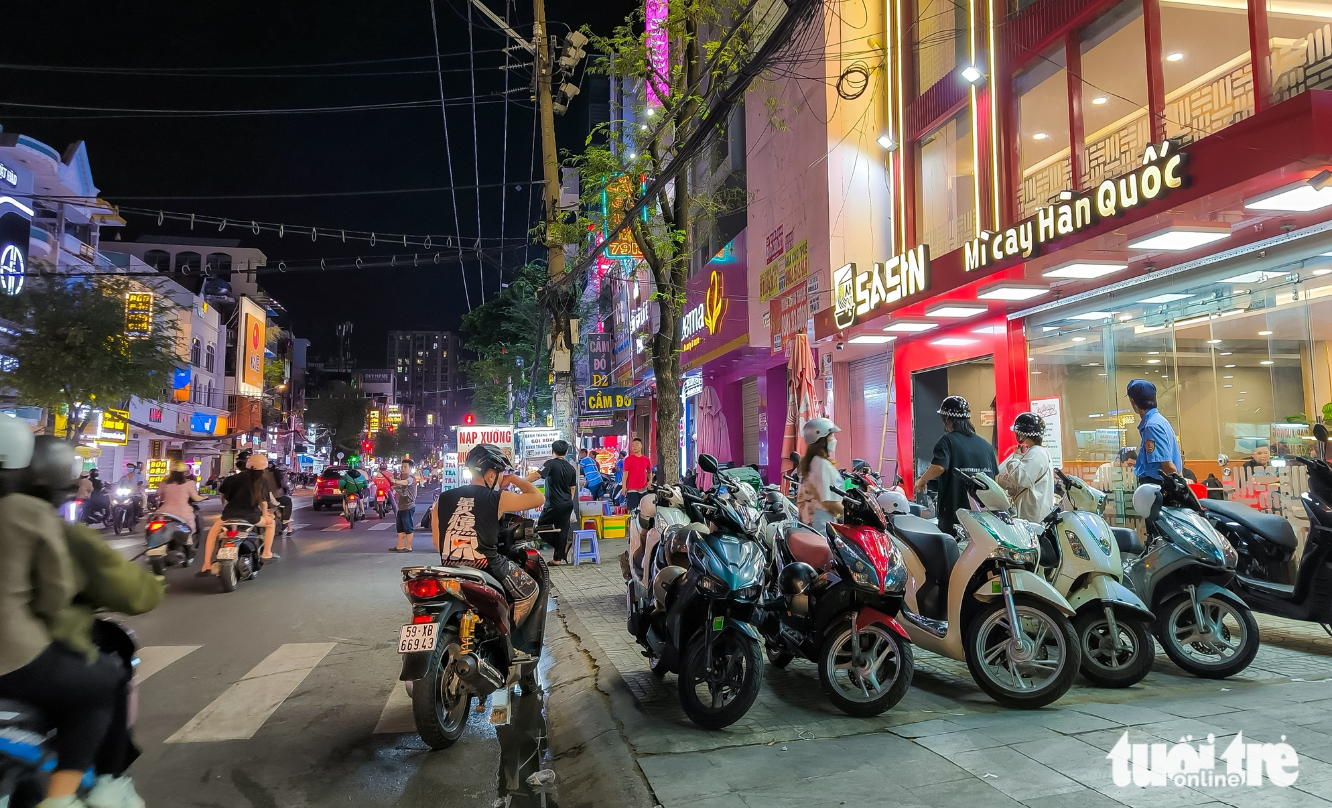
749, 592
712, 586
122, 492
1201, 540
1022, 558
858, 565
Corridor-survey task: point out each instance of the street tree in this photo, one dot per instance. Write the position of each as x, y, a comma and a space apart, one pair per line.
340, 410
510, 379
71, 351
683, 59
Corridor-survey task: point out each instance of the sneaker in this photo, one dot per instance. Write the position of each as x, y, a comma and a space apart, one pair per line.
114, 792
395, 549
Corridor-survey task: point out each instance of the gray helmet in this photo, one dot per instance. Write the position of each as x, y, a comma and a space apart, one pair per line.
955, 407
54, 472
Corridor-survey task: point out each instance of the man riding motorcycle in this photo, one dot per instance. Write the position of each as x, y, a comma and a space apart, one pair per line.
465, 523
353, 481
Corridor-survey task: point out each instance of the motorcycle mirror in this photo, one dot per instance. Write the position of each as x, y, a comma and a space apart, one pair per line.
708, 463
1320, 433
1221, 459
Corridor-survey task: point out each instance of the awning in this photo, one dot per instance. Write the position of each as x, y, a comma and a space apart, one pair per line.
201, 449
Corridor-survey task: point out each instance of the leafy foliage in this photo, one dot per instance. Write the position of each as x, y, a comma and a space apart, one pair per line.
72, 348
339, 409
504, 335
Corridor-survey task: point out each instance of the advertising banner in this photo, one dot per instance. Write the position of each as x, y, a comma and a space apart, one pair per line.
600, 352
607, 399
716, 312
470, 436
252, 351
791, 311
784, 272
1049, 409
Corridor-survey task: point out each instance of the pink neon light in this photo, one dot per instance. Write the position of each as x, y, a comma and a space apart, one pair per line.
658, 48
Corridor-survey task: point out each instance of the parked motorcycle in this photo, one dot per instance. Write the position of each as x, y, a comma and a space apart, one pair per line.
238, 556
1268, 575
124, 511
1182, 574
985, 603
840, 595
26, 740
1113, 625
705, 595
462, 642
169, 542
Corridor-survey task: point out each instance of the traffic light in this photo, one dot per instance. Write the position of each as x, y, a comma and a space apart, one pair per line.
469, 419
367, 446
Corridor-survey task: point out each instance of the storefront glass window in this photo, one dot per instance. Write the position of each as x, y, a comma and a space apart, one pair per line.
1114, 93
1205, 61
945, 203
1041, 94
1301, 46
939, 43
1242, 361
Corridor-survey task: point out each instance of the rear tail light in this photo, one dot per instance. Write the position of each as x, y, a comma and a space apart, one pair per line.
155, 525
423, 618
232, 533
430, 588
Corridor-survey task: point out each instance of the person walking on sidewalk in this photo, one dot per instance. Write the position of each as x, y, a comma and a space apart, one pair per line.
637, 474
561, 495
405, 486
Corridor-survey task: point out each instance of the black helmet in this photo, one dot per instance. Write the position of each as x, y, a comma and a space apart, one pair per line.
243, 458
955, 407
1029, 425
796, 579
485, 457
860, 463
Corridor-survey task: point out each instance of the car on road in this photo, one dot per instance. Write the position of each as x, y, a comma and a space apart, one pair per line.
326, 488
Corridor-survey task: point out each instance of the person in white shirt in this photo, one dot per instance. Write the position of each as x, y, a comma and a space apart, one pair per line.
819, 498
1027, 475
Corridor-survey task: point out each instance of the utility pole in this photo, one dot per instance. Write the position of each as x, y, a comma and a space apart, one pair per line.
561, 359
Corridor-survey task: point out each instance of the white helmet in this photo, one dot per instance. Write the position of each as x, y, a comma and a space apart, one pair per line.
1146, 499
894, 502
16, 442
816, 428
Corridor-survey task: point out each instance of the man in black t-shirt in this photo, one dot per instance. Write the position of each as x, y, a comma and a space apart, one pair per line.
960, 449
245, 496
561, 495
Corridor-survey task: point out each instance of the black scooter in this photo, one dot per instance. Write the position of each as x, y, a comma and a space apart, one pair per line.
1269, 576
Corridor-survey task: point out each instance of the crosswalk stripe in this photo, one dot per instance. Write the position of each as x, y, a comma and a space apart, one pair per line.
336, 526
382, 526
298, 526
397, 715
239, 712
153, 658
121, 544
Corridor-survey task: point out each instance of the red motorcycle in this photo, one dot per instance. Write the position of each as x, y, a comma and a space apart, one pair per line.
840, 594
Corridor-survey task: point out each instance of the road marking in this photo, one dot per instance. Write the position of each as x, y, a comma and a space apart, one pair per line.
336, 526
123, 544
382, 526
296, 506
153, 658
239, 712
397, 715
298, 526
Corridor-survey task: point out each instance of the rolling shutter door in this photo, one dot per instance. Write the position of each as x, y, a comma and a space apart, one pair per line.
871, 414
750, 405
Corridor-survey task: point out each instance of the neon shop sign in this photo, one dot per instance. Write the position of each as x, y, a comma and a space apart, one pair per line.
1163, 169
856, 294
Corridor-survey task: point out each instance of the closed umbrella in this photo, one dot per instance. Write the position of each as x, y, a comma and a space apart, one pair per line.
801, 401
711, 435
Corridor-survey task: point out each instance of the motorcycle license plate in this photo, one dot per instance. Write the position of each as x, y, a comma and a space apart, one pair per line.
226, 554
417, 637
157, 551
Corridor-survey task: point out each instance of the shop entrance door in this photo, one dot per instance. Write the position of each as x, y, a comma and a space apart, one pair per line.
973, 380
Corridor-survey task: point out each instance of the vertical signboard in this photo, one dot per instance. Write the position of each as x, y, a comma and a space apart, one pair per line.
1049, 409
599, 352
252, 353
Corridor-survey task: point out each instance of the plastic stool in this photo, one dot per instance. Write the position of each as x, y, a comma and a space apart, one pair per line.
591, 553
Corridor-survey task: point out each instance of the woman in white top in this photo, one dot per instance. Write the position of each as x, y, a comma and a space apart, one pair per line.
819, 498
1027, 475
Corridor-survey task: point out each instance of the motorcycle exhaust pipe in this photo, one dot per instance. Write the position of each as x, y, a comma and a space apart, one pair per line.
479, 675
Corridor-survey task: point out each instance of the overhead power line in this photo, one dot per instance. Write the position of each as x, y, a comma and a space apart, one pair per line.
166, 70
312, 195
214, 113
216, 75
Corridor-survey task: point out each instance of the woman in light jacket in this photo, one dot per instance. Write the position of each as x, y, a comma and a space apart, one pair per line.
1027, 475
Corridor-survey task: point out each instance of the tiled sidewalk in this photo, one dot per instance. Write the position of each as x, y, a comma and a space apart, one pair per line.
947, 743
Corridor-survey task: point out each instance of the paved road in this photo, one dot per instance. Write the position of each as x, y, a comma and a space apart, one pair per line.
285, 692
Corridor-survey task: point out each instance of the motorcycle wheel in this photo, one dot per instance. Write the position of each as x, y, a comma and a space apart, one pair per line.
869, 690
226, 573
657, 668
777, 657
440, 707
719, 697
1029, 683
158, 565
116, 520
1235, 629
1101, 663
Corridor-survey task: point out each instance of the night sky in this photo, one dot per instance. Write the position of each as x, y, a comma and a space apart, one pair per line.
282, 154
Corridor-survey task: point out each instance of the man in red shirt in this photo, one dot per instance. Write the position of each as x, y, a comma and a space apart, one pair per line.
637, 474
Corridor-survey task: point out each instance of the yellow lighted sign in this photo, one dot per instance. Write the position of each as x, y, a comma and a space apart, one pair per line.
157, 472
1163, 169
394, 415
372, 421
139, 314
857, 293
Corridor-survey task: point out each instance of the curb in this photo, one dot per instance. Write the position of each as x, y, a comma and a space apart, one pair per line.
591, 757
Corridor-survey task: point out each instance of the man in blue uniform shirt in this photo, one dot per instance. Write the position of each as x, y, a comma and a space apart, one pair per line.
1159, 452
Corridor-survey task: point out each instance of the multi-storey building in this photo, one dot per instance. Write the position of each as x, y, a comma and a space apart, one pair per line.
426, 383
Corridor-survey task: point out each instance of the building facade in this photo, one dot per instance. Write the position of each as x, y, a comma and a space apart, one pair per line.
426, 385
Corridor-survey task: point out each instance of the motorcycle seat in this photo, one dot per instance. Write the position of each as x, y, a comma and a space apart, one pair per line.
936, 550
806, 545
1128, 540
1269, 526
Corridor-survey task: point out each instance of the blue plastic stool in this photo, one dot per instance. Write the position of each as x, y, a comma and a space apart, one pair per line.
591, 553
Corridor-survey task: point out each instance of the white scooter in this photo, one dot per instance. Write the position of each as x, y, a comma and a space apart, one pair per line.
1113, 625
984, 603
